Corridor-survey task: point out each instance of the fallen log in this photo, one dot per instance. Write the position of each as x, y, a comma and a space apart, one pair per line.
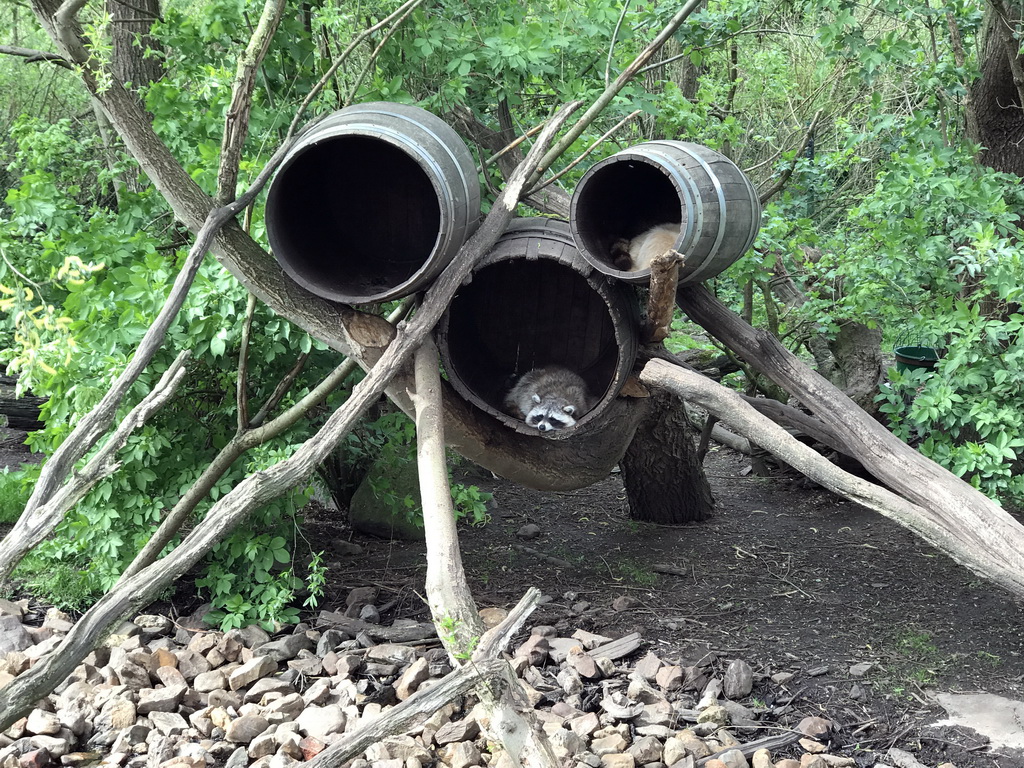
21, 412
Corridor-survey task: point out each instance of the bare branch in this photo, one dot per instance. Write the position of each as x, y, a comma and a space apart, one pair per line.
376, 52
31, 55
612, 91
241, 381
236, 120
779, 185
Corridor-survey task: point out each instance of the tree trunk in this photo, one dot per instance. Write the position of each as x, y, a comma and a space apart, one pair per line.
996, 94
130, 23
664, 480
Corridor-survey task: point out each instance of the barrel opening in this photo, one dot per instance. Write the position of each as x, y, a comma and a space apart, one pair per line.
621, 200
356, 215
521, 314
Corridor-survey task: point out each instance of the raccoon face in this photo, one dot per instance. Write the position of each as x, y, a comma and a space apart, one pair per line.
548, 416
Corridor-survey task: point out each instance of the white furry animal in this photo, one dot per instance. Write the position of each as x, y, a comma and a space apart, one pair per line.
549, 398
635, 255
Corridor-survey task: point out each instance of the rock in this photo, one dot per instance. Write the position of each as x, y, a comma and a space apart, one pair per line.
584, 726
265, 689
618, 760
583, 663
191, 664
609, 744
461, 730
624, 603
160, 699
285, 648
117, 714
859, 670
40, 722
692, 743
210, 681
251, 671
535, 649
37, 758
648, 667
528, 532
733, 758
463, 755
263, 745
900, 759
670, 678
311, 747
838, 761
818, 671
412, 678
761, 758
56, 746
814, 761
243, 730
321, 722
570, 681
738, 681
781, 678
284, 709
715, 714
566, 744
646, 749
168, 723
812, 746
815, 727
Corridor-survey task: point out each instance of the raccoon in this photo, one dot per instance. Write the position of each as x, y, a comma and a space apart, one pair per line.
549, 398
636, 254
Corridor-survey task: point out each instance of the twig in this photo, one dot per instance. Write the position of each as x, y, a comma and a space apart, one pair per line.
612, 91
31, 55
241, 384
376, 52
236, 119
779, 185
510, 146
611, 44
584, 154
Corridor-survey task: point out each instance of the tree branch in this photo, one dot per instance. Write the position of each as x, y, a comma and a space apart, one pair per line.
783, 180
236, 119
31, 56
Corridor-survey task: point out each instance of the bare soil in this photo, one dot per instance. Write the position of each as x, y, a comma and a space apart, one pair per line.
789, 578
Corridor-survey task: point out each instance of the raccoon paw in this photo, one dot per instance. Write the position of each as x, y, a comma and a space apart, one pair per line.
619, 253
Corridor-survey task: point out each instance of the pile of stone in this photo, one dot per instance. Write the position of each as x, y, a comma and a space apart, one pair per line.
162, 695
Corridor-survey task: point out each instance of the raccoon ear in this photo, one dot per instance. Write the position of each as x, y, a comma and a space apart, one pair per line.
536, 397
570, 409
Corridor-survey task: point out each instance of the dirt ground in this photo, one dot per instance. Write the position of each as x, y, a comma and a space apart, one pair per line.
791, 579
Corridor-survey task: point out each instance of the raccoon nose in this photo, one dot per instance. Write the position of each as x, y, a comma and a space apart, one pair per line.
543, 427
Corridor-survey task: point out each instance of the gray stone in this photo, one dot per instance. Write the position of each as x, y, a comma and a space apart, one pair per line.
321, 722
412, 678
859, 670
263, 745
648, 667
40, 722
286, 708
566, 744
168, 723
461, 730
238, 759
56, 746
528, 532
738, 681
285, 648
646, 749
463, 755
715, 714
243, 730
376, 513
160, 699
392, 653
610, 744
251, 671
191, 664
210, 681
733, 758
267, 685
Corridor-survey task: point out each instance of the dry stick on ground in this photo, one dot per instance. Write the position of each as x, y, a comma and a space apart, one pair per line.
451, 602
953, 516
255, 433
661, 300
18, 696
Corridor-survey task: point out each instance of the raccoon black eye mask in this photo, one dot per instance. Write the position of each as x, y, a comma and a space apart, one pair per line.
548, 398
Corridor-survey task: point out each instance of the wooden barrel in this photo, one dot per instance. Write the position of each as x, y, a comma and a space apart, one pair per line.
372, 203
532, 302
659, 182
